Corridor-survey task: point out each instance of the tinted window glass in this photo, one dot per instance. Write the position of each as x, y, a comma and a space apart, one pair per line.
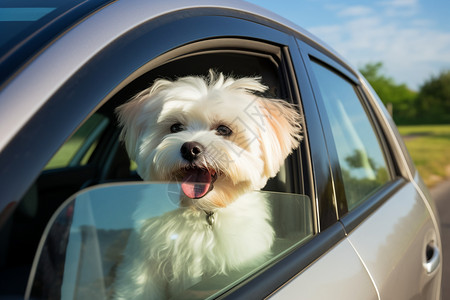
360, 155
78, 149
90, 235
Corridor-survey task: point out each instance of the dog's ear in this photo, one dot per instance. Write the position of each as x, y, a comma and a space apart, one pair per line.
135, 114
128, 114
280, 132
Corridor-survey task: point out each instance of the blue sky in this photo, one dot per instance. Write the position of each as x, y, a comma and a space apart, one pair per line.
410, 37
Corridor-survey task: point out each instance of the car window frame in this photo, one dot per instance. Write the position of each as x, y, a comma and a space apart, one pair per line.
351, 219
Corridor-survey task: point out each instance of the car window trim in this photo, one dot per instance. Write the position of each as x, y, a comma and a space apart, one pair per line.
301, 159
311, 55
322, 177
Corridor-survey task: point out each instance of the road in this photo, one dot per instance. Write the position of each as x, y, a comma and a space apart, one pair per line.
441, 194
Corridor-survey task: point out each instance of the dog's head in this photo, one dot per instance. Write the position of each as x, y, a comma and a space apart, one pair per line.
213, 135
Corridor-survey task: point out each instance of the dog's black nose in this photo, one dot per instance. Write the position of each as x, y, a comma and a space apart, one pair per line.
191, 151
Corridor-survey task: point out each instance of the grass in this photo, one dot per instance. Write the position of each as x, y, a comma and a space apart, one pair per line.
63, 157
429, 146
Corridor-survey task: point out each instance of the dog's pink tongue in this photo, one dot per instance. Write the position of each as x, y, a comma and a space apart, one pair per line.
196, 183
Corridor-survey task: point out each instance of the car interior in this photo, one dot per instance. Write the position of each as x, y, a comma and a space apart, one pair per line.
102, 158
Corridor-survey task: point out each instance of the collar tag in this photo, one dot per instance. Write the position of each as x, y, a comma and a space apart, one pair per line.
210, 218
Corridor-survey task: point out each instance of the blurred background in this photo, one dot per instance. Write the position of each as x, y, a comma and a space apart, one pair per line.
402, 47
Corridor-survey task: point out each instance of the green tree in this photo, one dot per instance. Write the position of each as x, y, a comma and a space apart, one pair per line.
399, 96
433, 100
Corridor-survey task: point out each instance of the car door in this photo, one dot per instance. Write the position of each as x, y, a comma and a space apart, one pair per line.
385, 215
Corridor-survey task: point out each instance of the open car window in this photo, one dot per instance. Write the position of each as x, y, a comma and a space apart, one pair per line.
84, 242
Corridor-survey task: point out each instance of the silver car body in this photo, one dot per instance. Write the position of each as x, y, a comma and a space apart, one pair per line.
378, 253
383, 257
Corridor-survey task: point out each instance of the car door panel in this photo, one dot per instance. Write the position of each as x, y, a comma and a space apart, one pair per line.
397, 261
338, 274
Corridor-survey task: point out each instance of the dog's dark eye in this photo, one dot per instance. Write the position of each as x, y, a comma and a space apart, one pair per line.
176, 128
224, 130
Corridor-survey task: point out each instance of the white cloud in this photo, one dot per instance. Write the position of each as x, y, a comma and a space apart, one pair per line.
410, 50
400, 3
400, 8
355, 11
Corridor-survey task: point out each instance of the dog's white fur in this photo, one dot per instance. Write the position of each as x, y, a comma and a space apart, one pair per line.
172, 252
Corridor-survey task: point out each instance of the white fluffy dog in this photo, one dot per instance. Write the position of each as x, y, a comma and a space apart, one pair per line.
220, 141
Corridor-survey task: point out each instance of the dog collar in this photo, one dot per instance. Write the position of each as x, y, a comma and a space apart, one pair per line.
210, 218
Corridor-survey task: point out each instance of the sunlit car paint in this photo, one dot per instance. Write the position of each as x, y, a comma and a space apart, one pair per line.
335, 269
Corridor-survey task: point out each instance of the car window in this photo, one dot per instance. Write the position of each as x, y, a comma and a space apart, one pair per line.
361, 159
88, 237
77, 150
